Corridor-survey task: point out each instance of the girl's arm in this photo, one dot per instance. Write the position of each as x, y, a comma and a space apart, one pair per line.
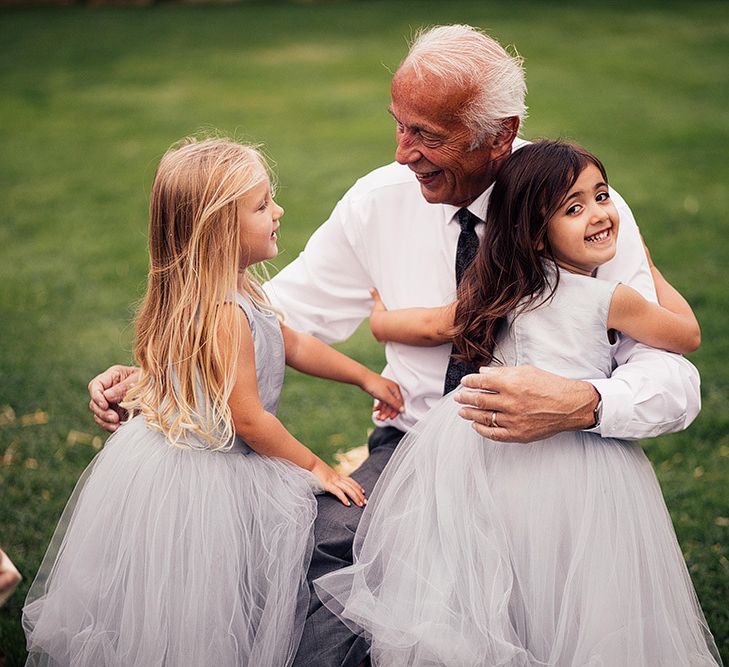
668, 295
423, 327
309, 355
670, 325
262, 430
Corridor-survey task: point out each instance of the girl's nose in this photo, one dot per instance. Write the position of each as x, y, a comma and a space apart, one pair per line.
599, 214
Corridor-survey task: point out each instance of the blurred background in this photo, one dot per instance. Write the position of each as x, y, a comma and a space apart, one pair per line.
93, 94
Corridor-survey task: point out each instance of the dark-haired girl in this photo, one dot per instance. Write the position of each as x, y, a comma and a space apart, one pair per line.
560, 552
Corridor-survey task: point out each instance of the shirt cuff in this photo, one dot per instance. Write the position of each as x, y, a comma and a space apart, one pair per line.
617, 407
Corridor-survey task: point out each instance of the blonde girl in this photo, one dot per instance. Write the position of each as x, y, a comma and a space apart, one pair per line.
187, 538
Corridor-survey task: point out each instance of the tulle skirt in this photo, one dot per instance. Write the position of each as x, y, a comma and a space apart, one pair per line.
560, 552
175, 557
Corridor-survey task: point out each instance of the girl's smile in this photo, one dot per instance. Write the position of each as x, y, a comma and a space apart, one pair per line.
601, 236
259, 217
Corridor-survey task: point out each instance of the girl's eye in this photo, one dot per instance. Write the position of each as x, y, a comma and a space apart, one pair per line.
574, 209
602, 196
264, 205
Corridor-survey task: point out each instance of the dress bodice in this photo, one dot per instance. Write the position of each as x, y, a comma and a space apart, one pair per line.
567, 335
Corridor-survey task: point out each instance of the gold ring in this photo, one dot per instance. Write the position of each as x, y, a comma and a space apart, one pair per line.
493, 420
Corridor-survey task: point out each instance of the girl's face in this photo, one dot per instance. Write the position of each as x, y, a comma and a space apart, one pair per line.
259, 221
583, 233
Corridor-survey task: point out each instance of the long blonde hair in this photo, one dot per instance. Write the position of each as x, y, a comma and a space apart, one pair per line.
194, 252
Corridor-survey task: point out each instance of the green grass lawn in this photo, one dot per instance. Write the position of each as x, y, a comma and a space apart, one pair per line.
91, 98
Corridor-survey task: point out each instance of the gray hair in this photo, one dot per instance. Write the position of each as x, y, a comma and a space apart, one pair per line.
469, 57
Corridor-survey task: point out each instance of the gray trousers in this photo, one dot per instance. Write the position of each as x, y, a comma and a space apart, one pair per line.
326, 641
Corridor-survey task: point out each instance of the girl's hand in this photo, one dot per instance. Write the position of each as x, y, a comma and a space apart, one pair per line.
339, 486
378, 305
647, 252
389, 402
377, 315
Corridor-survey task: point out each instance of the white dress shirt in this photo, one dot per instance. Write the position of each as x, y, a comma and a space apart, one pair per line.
384, 234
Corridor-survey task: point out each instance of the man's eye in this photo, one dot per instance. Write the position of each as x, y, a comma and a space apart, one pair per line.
430, 140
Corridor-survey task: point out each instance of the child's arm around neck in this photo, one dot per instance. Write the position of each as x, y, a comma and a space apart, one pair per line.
423, 327
671, 325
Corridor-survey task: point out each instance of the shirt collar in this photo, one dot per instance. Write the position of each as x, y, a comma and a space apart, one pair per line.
478, 207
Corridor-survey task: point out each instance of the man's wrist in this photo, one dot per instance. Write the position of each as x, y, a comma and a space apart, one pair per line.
597, 411
589, 414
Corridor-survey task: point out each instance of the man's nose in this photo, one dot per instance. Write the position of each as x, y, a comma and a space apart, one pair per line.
407, 150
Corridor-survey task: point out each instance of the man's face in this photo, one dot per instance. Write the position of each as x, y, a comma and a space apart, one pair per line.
435, 144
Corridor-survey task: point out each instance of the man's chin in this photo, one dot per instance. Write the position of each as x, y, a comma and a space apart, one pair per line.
432, 195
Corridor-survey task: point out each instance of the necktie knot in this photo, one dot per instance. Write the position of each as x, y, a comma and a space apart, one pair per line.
467, 220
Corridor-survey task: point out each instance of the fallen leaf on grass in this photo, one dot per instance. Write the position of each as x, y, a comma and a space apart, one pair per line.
337, 439
721, 521
31, 464
34, 418
81, 438
7, 415
350, 460
9, 454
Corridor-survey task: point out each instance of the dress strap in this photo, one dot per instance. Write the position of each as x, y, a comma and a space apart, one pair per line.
247, 307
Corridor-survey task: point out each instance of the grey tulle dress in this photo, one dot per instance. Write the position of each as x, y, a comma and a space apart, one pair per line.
561, 552
181, 557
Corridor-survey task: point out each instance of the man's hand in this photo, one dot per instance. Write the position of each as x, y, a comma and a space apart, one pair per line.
106, 391
523, 403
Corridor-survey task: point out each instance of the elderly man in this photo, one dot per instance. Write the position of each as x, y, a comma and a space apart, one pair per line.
457, 102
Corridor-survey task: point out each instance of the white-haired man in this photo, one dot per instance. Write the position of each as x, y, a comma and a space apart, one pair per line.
457, 102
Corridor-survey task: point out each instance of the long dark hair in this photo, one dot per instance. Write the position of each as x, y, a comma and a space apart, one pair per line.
508, 273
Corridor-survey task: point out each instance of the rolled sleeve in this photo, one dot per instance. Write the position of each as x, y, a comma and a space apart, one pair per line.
654, 393
617, 408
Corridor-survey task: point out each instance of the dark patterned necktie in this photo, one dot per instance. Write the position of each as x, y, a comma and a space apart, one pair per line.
465, 252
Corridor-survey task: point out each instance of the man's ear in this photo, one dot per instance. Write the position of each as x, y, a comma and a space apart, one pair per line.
501, 143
